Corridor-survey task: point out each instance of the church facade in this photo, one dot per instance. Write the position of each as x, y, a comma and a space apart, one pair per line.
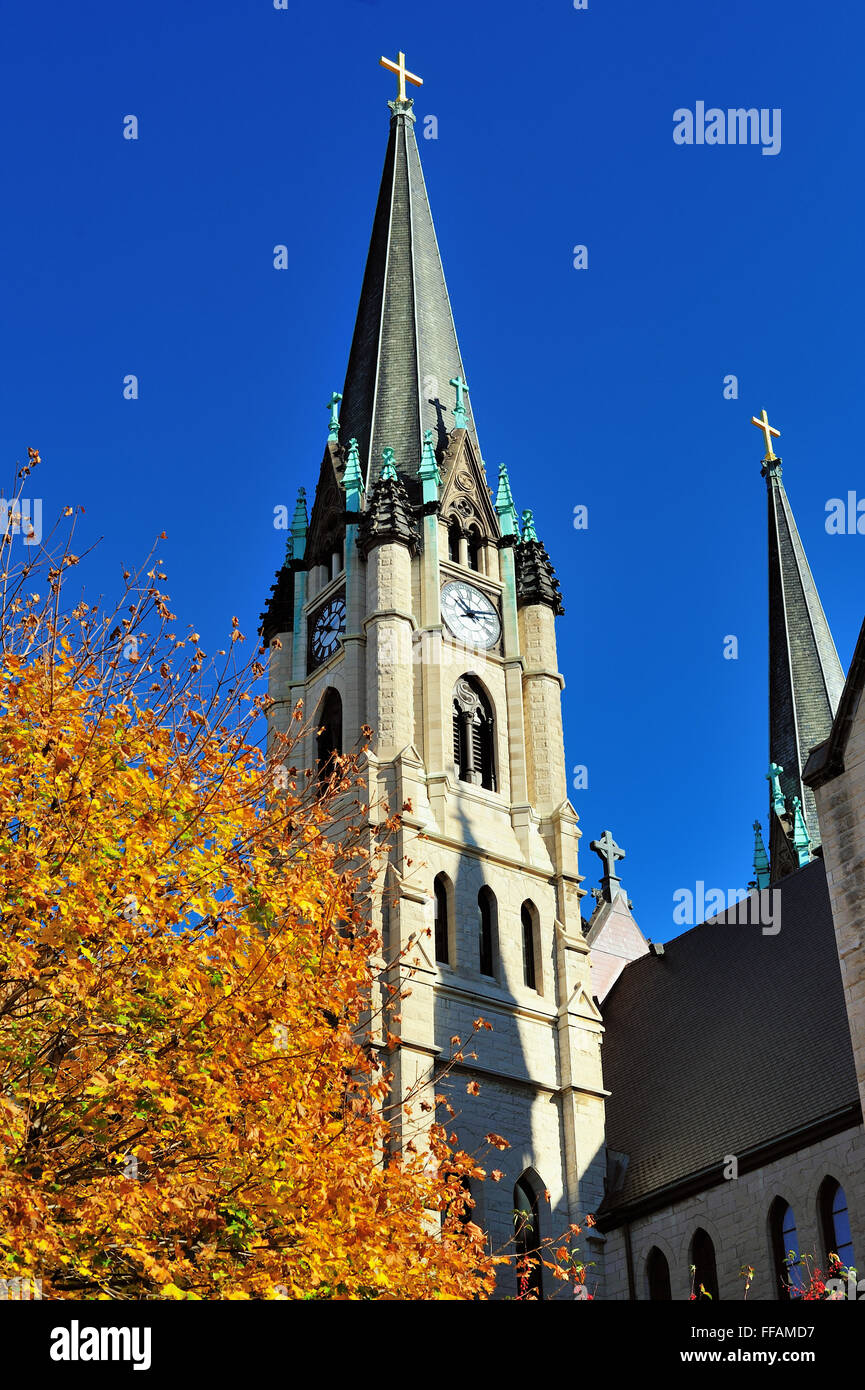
417, 601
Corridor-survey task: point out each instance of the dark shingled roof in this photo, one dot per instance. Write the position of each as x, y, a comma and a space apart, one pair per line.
805, 675
278, 616
729, 1041
388, 517
536, 578
404, 350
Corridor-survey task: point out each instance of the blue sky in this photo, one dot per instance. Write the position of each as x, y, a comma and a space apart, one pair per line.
601, 387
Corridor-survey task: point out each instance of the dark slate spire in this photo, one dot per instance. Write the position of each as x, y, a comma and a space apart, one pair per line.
404, 352
388, 516
536, 578
805, 676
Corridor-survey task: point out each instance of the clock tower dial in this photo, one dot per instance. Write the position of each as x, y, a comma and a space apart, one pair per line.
325, 629
470, 614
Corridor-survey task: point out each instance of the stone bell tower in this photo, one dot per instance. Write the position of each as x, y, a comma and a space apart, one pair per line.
414, 601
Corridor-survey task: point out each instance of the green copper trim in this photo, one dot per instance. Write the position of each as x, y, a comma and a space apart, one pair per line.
505, 507
779, 805
528, 527
352, 479
761, 858
428, 472
801, 838
388, 471
333, 431
299, 526
461, 419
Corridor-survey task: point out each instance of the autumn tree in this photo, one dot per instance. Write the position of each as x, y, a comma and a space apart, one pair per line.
193, 1103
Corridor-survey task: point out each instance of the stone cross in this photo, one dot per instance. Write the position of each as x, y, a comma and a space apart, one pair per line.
402, 74
607, 849
459, 409
773, 777
333, 431
762, 423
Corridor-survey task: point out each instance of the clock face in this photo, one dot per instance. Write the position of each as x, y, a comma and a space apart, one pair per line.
470, 615
327, 630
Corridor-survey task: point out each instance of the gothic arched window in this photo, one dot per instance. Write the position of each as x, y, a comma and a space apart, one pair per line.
658, 1276
474, 735
703, 1260
785, 1247
442, 919
835, 1223
454, 534
475, 544
528, 922
486, 931
527, 1238
329, 743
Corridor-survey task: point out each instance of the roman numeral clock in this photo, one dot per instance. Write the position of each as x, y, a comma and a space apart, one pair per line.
470, 615
326, 627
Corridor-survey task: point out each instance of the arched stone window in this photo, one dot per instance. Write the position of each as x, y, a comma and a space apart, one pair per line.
474, 552
487, 931
329, 742
835, 1223
785, 1248
529, 927
658, 1276
474, 735
454, 535
527, 1236
442, 918
703, 1260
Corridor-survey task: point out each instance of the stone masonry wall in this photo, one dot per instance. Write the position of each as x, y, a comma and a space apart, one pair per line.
736, 1215
841, 810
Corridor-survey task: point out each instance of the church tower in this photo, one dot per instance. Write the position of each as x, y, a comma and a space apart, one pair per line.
415, 600
805, 679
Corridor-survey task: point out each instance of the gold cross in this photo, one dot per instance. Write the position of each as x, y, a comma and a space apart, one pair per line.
402, 73
762, 423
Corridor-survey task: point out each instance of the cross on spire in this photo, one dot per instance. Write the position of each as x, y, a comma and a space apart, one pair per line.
333, 430
608, 851
762, 423
460, 416
402, 74
773, 777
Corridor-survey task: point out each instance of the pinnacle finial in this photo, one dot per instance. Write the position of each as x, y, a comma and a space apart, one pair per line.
505, 507
801, 838
761, 858
388, 471
352, 478
528, 527
333, 430
429, 470
299, 526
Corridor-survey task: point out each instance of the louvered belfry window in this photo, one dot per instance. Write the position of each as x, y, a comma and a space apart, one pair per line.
474, 735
